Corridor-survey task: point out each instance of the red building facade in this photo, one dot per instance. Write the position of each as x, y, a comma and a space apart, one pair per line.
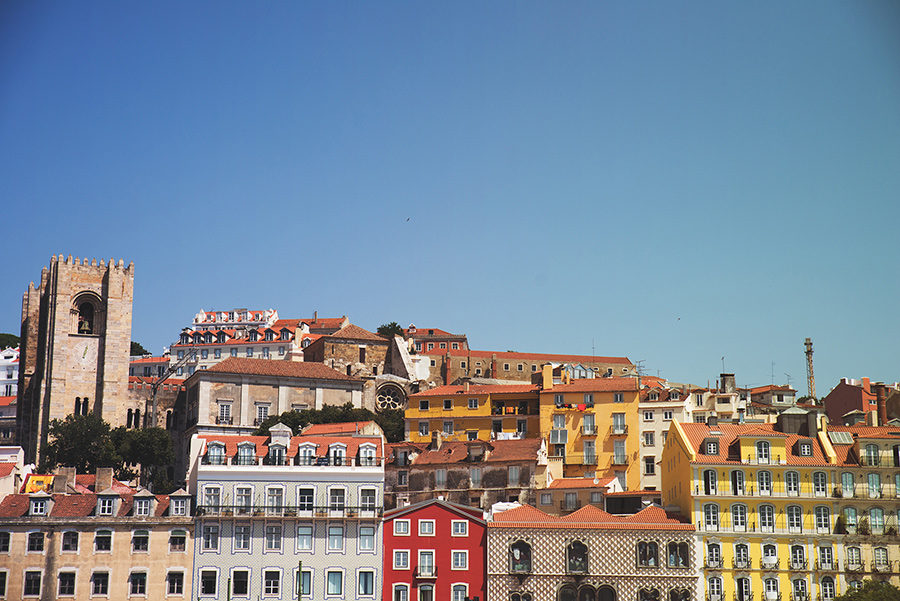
434, 550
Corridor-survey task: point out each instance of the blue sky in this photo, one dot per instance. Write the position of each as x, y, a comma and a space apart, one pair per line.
673, 182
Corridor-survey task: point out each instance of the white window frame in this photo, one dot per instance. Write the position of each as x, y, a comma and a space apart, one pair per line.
459, 528
401, 553
454, 554
425, 525
399, 529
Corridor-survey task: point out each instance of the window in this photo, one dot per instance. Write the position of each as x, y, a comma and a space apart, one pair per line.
459, 592
520, 557
66, 583
764, 482
473, 403
712, 448
448, 404
249, 351
426, 563
850, 518
304, 538
210, 537
423, 428
4, 542
823, 520
650, 465
711, 516
240, 582
475, 477
234, 352
336, 499
367, 538
770, 556
32, 583
762, 452
506, 367
739, 516
175, 583
426, 527
272, 582
402, 478
794, 518
242, 537
401, 527
273, 537
70, 541
401, 560
710, 480
335, 538
854, 557
880, 555
305, 499
100, 583
820, 484
619, 452
401, 592
366, 586
713, 555
876, 520
460, 560
275, 499
35, 542
140, 541
874, 481
106, 506
423, 405
138, 582
667, 415
305, 583
648, 416
217, 353
448, 428
103, 540
649, 439
208, 581
792, 483
440, 478
178, 507
212, 494
618, 397
648, 554
38, 506
741, 556
514, 473
177, 541
805, 449
714, 587
460, 528
334, 583
827, 588
826, 558
766, 518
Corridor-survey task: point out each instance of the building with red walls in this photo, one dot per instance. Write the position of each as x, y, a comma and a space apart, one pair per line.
434, 550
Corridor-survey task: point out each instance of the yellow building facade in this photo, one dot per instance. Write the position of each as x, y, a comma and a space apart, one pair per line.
592, 427
474, 412
763, 499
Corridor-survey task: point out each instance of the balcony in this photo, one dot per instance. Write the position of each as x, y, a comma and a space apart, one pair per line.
795, 596
870, 461
856, 566
798, 565
620, 460
303, 510
713, 564
588, 430
740, 563
882, 567
770, 564
224, 421
426, 572
828, 566
618, 429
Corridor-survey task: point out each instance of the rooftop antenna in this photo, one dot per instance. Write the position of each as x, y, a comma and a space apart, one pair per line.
810, 377
723, 364
773, 373
788, 376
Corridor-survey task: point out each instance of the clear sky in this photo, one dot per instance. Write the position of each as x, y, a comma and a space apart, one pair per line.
675, 182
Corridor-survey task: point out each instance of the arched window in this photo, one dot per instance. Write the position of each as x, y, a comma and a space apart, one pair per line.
876, 520
577, 557
78, 405
762, 452
741, 556
129, 419
137, 418
827, 588
820, 484
800, 591
798, 557
737, 482
246, 454
795, 518
714, 588
276, 455
215, 454
770, 557
850, 519
520, 557
874, 480
792, 483
766, 518
711, 516
823, 520
678, 555
742, 589
86, 317
401, 592
764, 482
567, 593
679, 594
709, 482
648, 594
648, 554
606, 593
586, 593
739, 516
458, 592
713, 556
771, 587
847, 484
854, 559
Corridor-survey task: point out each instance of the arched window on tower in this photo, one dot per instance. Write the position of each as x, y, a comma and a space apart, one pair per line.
85, 317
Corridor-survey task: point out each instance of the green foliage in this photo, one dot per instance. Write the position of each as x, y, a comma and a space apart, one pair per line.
80, 441
390, 421
86, 442
872, 590
389, 330
8, 340
138, 349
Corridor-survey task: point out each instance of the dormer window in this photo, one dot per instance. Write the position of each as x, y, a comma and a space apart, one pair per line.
178, 507
675, 395
197, 339
285, 334
653, 396
476, 453
805, 449
712, 447
105, 505
306, 455
142, 507
246, 454
276, 455
220, 337
254, 336
337, 453
207, 338
185, 339
367, 455
39, 507
215, 454
270, 335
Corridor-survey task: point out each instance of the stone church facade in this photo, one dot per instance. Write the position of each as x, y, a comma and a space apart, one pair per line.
75, 343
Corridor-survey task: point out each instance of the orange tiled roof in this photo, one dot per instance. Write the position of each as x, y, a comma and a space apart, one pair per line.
150, 360
770, 388
533, 356
279, 368
888, 432
354, 332
6, 401
525, 449
567, 483
477, 389
590, 517
729, 433
594, 385
6, 469
338, 428
321, 443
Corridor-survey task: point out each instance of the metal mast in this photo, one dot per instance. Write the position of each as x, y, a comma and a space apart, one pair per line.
810, 376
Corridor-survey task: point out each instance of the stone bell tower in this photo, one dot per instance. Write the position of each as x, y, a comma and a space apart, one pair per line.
75, 345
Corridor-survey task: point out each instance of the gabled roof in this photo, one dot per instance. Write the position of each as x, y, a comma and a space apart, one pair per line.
6, 401
6, 469
594, 385
337, 428
512, 355
354, 332
477, 389
320, 443
498, 451
278, 368
590, 517
471, 513
727, 436
570, 483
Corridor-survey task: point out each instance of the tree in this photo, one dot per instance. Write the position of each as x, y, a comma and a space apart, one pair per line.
82, 442
872, 590
138, 349
389, 330
8, 340
390, 421
149, 447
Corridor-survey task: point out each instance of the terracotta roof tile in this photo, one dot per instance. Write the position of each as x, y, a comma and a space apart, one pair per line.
498, 451
549, 357
321, 443
477, 389
729, 433
278, 368
6, 401
339, 428
6, 469
354, 332
595, 385
150, 360
73, 506
590, 517
568, 483
14, 506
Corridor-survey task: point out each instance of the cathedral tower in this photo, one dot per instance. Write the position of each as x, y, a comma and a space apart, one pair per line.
75, 346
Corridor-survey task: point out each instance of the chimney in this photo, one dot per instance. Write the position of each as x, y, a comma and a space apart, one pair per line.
712, 421
467, 386
315, 316
60, 481
880, 393
865, 385
103, 479
435, 441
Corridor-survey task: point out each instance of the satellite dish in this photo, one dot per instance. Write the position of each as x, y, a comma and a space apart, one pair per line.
596, 481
